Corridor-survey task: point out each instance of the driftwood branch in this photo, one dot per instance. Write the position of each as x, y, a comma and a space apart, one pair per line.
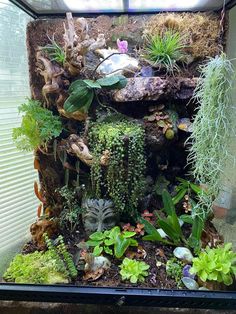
78, 44
51, 74
75, 145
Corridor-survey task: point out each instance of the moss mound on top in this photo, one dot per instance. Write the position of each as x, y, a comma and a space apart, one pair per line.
200, 30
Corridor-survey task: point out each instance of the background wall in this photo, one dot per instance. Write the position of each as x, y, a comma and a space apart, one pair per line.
18, 203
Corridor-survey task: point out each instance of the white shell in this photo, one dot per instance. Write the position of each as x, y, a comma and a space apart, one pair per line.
190, 283
183, 253
116, 62
98, 262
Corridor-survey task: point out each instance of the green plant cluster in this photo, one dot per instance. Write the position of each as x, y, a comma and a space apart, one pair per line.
114, 238
133, 270
82, 92
55, 52
36, 268
69, 216
217, 264
171, 226
123, 177
186, 187
59, 252
174, 269
165, 50
38, 126
212, 126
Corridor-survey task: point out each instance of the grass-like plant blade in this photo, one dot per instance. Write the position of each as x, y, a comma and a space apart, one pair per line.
151, 230
170, 210
169, 230
178, 197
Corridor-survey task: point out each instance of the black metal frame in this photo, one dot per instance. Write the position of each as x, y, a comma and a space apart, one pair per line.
35, 15
119, 296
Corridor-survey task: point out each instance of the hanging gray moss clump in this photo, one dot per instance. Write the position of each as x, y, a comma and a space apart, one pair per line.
122, 179
212, 127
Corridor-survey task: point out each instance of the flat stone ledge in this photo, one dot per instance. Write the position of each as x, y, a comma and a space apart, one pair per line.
153, 88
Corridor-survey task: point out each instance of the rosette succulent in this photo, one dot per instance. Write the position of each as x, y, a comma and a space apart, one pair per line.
133, 270
218, 264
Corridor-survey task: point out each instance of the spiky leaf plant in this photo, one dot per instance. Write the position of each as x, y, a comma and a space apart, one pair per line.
55, 52
164, 51
212, 126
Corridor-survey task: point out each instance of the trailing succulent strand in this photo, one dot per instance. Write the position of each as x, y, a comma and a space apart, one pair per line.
67, 257
123, 175
61, 254
209, 141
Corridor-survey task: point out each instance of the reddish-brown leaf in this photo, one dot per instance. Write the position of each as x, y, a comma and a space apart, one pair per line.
38, 193
39, 210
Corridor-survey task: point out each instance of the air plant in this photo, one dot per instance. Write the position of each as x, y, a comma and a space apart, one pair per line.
55, 52
164, 51
209, 141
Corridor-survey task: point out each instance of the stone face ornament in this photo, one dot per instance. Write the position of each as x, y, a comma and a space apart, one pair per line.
99, 215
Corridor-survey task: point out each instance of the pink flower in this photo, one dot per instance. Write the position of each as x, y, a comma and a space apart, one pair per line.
122, 46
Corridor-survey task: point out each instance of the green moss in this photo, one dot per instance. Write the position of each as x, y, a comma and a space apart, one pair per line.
36, 268
122, 179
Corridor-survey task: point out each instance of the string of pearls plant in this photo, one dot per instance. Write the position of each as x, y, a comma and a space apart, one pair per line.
212, 127
122, 180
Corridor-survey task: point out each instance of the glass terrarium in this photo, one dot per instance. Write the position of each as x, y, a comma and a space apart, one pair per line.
117, 173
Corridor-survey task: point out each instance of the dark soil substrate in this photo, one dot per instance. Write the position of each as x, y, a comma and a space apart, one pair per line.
157, 277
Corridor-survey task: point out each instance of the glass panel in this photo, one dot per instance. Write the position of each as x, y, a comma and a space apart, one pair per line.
173, 5
98, 6
18, 203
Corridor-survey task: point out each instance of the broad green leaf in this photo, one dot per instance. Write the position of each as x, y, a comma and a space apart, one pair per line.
169, 230
186, 218
149, 237
108, 80
109, 242
97, 236
108, 250
151, 230
76, 85
170, 210
92, 84
128, 234
133, 242
93, 243
78, 99
168, 203
119, 85
121, 246
196, 188
114, 232
97, 250
197, 228
178, 197
153, 234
